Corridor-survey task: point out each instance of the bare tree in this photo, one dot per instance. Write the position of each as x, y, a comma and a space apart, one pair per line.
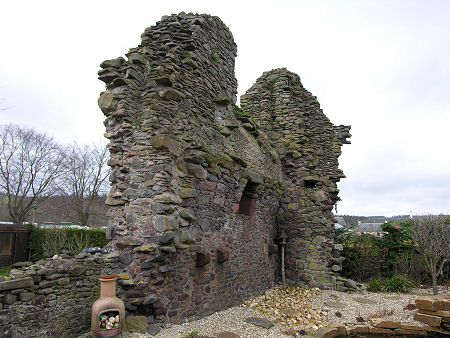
30, 162
85, 179
431, 235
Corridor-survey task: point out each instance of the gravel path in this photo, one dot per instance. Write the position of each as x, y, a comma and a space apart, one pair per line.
231, 320
328, 306
348, 308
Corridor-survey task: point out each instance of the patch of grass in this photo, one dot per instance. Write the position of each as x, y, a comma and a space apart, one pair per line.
5, 272
214, 56
193, 334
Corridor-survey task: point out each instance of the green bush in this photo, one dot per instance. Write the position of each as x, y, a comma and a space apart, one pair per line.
375, 285
397, 243
364, 256
48, 242
396, 283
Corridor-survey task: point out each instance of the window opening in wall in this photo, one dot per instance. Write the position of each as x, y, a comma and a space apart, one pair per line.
310, 184
248, 199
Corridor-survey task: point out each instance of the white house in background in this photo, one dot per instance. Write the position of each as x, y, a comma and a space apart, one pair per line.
372, 228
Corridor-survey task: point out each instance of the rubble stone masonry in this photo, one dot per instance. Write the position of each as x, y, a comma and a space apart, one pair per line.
201, 189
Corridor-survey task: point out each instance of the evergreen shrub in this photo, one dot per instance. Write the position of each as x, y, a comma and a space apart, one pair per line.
48, 242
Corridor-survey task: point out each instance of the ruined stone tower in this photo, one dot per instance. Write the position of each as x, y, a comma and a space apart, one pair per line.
200, 188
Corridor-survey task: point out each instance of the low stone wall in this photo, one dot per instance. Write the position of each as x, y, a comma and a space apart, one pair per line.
434, 311
379, 328
52, 297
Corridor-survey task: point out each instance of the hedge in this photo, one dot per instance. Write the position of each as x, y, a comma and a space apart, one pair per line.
48, 242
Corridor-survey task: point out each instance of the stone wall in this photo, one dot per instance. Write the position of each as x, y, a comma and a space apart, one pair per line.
53, 297
308, 145
201, 189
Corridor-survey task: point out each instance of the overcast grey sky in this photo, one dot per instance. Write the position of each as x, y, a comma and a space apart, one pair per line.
381, 66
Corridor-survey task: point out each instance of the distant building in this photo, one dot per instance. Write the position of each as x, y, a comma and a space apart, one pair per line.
340, 220
370, 229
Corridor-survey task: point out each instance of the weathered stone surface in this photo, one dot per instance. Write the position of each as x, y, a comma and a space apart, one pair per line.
358, 329
384, 323
432, 303
326, 332
171, 94
410, 333
76, 270
166, 142
126, 258
186, 236
351, 284
166, 238
136, 324
10, 299
439, 313
363, 300
335, 305
62, 296
261, 322
26, 296
428, 319
187, 193
381, 331
16, 283
153, 329
227, 334
187, 214
164, 223
192, 173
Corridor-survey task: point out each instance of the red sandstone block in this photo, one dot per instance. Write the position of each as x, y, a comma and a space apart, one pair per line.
435, 332
381, 331
384, 323
439, 313
408, 326
326, 332
341, 331
427, 319
433, 303
358, 329
425, 303
405, 332
235, 208
443, 304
